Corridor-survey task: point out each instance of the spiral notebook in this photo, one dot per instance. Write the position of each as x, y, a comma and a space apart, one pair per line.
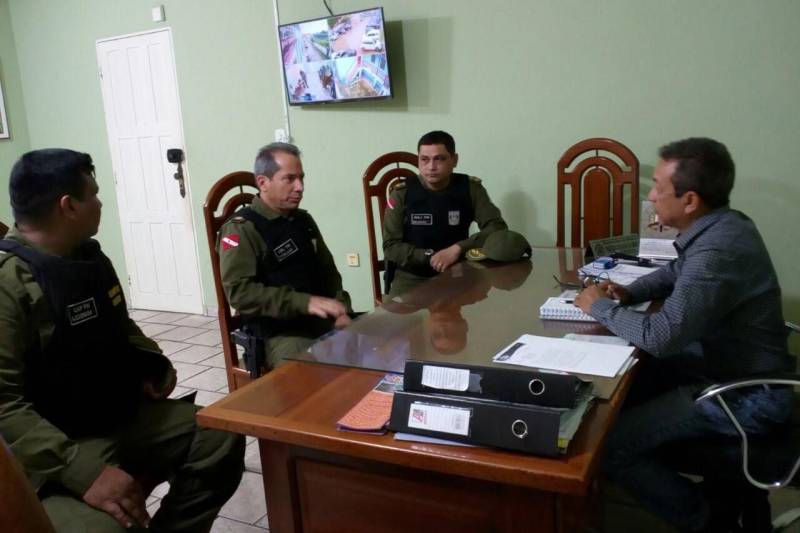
561, 307
558, 308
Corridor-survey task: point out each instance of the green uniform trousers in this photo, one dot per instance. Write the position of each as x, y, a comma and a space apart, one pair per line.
203, 467
280, 346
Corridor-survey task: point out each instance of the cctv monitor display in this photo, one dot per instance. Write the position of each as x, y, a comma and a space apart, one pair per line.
336, 59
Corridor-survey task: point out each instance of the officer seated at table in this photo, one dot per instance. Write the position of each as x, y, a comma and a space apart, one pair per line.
427, 219
83, 393
276, 270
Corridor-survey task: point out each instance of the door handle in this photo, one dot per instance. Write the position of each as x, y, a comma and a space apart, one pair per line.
175, 155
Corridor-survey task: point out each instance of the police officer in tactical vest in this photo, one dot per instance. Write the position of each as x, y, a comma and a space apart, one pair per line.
427, 219
83, 393
276, 269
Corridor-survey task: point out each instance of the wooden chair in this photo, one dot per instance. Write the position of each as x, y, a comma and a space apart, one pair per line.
20, 508
3, 230
233, 187
597, 181
378, 179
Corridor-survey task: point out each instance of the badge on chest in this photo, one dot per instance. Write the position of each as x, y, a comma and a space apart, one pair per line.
285, 250
421, 219
82, 311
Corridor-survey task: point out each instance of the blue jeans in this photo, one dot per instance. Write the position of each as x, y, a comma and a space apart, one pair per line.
669, 414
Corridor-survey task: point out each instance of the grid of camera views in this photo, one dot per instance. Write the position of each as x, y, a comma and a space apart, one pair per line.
336, 58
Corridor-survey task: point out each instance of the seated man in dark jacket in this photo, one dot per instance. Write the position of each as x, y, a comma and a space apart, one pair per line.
83, 393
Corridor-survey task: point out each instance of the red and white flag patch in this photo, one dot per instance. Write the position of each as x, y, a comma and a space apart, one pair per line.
230, 241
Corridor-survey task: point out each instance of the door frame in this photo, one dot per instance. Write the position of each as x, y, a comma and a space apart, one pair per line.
126, 246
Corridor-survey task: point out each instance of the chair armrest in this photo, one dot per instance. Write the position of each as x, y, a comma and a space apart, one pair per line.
715, 392
792, 380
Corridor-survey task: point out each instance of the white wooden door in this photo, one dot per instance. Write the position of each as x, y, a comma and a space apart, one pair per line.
143, 117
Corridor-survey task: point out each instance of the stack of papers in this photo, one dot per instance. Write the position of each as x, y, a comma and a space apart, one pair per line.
622, 273
604, 384
571, 421
657, 249
564, 355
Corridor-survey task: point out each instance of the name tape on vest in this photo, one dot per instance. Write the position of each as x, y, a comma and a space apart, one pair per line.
285, 249
421, 219
81, 311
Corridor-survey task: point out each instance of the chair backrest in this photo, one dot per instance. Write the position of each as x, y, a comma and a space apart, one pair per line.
380, 175
231, 188
601, 168
3, 230
20, 508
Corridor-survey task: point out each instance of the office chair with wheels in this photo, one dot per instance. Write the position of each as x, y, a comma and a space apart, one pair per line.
597, 171
745, 468
233, 189
379, 179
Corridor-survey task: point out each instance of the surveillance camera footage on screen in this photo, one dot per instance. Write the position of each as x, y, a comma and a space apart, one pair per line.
336, 59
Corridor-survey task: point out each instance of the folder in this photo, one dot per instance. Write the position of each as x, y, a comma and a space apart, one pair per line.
521, 427
493, 383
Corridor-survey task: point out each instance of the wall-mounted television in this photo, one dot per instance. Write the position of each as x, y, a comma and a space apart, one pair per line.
339, 58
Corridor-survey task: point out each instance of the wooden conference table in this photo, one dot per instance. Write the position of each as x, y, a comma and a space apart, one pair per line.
319, 479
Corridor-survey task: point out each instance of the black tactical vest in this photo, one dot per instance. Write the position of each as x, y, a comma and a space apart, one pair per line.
437, 220
88, 377
291, 261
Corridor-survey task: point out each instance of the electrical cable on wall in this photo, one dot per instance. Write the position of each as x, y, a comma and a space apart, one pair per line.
276, 17
327, 6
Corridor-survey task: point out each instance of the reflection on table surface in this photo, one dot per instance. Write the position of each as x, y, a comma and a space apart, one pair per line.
465, 315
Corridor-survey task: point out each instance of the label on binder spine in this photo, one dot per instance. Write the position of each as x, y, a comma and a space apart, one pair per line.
442, 418
443, 378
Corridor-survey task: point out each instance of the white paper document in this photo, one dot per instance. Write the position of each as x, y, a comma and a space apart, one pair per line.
600, 339
657, 248
413, 437
576, 357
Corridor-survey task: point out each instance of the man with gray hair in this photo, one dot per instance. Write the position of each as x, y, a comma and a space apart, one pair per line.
276, 269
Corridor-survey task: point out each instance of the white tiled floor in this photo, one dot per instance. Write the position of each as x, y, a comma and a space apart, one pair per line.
192, 342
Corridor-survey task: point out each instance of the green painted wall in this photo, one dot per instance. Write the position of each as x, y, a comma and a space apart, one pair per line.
516, 83
18, 142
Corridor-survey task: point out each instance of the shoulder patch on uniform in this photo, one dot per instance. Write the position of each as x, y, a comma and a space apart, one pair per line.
230, 241
238, 219
476, 179
397, 185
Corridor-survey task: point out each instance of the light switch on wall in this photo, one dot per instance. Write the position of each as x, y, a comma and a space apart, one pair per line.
352, 260
158, 14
